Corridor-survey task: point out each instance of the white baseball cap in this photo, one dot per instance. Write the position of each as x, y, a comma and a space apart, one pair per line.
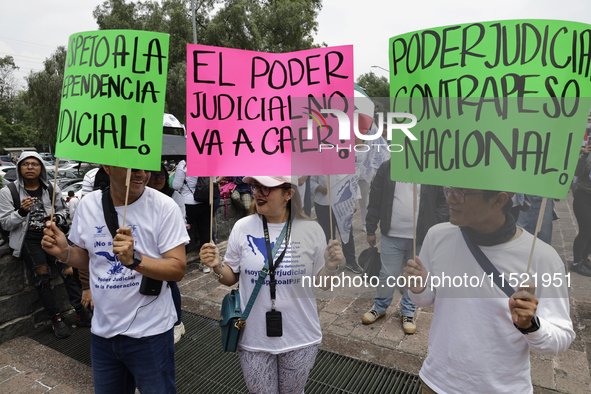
269, 181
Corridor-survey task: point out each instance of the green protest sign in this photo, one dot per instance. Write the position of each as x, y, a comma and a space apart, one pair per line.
500, 105
112, 101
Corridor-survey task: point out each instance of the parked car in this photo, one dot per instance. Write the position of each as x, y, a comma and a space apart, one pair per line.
76, 187
46, 156
10, 175
62, 174
5, 166
64, 182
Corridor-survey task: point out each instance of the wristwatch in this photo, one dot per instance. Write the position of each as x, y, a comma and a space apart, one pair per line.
535, 326
137, 260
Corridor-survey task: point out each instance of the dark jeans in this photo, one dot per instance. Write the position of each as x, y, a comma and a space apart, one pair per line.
121, 363
582, 209
322, 213
34, 257
198, 216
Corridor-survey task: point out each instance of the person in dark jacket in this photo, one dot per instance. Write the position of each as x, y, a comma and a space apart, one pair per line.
391, 206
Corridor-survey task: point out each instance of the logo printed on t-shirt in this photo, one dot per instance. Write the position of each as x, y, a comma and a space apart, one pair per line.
116, 266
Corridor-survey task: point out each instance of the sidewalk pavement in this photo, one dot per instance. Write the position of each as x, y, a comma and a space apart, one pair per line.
27, 367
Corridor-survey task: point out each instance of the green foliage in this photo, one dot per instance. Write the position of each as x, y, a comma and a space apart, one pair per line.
44, 95
7, 86
16, 135
176, 91
374, 86
378, 88
267, 26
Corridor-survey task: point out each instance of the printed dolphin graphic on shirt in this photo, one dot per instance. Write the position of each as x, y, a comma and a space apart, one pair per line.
99, 229
116, 266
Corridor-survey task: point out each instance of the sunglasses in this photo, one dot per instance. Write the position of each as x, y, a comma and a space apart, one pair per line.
265, 190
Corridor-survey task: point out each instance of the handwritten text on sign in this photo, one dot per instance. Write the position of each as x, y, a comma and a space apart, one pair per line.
500, 105
113, 98
240, 105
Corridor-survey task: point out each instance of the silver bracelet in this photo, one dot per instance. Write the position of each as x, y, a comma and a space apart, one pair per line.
218, 276
68, 259
334, 271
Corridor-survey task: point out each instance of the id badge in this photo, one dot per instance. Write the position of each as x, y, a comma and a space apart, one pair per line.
274, 324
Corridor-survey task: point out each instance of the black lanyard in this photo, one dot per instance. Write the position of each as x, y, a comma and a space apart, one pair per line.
273, 267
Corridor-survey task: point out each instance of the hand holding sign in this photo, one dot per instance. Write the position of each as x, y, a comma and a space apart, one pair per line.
523, 305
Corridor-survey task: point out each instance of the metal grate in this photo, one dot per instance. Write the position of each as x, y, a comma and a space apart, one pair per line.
200, 360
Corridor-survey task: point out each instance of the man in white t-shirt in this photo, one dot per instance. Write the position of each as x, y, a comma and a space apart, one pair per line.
391, 206
480, 339
132, 328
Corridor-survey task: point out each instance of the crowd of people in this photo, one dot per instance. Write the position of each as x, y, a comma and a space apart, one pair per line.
127, 257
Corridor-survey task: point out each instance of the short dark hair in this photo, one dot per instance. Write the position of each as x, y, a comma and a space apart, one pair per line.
71, 193
488, 194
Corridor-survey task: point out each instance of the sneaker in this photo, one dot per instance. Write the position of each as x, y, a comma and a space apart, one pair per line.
581, 268
60, 329
371, 316
353, 266
363, 229
204, 268
179, 331
408, 324
83, 318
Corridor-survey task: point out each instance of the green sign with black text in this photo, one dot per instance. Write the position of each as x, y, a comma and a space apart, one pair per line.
112, 101
500, 105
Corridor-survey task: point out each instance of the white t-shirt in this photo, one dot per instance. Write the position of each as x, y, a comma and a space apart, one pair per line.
473, 345
401, 225
73, 205
246, 255
119, 308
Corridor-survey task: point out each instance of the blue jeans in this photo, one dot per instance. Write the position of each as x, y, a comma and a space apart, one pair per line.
121, 363
528, 220
394, 253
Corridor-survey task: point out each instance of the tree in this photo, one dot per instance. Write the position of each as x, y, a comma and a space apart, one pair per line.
15, 135
374, 86
7, 86
44, 96
258, 25
265, 25
169, 16
378, 88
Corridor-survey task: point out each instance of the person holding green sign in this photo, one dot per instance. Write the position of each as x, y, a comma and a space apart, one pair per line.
130, 262
484, 324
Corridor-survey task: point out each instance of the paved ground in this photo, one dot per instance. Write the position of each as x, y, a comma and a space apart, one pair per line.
27, 367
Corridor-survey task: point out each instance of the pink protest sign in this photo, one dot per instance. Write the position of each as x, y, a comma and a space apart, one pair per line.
241, 104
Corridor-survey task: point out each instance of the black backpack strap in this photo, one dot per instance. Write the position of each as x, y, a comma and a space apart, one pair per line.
110, 213
16, 201
488, 266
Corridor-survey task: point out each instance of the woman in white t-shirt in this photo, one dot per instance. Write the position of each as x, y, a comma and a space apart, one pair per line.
277, 364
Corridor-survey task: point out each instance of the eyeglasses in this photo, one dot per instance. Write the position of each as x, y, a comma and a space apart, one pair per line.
458, 195
157, 176
265, 190
29, 164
